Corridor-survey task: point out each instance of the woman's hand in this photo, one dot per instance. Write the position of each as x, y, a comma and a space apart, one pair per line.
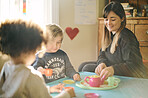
99, 68
76, 77
107, 72
57, 88
104, 71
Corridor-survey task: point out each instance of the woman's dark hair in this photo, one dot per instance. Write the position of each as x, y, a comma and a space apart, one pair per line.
117, 8
18, 36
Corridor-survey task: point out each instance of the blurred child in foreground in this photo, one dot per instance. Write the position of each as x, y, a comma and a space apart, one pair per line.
20, 40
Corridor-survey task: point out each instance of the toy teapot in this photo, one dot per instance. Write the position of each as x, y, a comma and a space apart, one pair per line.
94, 81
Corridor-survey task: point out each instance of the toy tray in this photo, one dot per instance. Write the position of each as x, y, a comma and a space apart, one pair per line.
84, 85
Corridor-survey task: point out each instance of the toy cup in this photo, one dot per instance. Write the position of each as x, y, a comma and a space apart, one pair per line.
69, 87
94, 81
48, 72
111, 81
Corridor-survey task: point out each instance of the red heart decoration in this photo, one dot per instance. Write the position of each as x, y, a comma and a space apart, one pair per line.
72, 32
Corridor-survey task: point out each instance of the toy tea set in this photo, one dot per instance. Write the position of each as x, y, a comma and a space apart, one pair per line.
91, 82
97, 83
94, 82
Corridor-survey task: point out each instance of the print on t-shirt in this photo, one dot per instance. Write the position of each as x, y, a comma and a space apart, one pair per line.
58, 68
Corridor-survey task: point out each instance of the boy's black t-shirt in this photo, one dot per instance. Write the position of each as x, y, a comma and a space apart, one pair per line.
58, 62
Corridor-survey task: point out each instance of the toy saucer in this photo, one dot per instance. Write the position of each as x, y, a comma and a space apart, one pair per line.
68, 81
91, 95
105, 86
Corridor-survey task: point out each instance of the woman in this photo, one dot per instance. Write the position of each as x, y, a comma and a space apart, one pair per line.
120, 53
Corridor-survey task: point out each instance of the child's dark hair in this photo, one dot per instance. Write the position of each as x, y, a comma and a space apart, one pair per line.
18, 36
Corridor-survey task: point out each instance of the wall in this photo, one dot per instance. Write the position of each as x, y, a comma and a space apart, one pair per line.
84, 46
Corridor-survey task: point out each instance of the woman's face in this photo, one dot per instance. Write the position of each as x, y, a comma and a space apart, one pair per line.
54, 44
112, 22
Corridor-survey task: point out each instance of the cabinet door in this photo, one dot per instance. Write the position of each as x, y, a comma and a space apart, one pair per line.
141, 32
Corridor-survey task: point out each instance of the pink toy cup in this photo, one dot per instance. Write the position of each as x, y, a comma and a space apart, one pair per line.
94, 81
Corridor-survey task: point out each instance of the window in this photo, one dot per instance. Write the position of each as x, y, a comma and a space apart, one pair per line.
41, 12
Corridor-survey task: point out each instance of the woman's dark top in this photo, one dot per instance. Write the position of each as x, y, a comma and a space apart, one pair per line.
127, 59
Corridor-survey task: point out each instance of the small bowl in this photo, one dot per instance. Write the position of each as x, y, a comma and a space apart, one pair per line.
91, 95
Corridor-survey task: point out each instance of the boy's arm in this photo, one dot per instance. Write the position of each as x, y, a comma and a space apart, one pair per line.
39, 62
70, 71
38, 89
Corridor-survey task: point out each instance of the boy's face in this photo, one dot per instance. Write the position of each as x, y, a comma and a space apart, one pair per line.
54, 44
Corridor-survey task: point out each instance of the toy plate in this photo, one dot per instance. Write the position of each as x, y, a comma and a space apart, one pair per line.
91, 95
68, 81
84, 85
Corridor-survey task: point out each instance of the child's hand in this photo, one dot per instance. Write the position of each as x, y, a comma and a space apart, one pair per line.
76, 77
41, 69
57, 88
71, 92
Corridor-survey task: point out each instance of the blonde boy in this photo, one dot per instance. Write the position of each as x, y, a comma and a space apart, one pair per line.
54, 58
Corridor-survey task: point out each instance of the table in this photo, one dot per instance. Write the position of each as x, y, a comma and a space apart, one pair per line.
129, 87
